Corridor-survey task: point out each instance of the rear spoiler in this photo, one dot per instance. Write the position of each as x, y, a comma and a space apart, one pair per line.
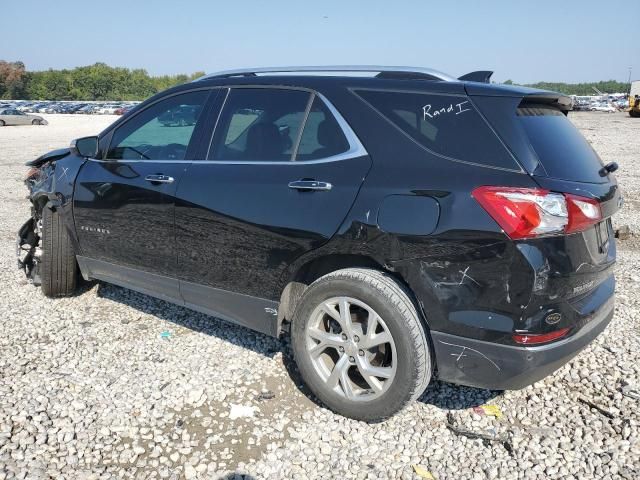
557, 100
482, 76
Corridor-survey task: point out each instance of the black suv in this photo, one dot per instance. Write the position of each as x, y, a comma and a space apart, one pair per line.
399, 226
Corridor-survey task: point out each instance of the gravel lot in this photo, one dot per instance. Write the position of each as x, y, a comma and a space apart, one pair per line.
115, 384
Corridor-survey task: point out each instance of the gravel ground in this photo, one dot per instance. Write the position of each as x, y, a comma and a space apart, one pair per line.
114, 384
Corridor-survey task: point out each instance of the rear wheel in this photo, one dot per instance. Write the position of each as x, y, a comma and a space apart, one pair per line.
2, 124
360, 345
58, 267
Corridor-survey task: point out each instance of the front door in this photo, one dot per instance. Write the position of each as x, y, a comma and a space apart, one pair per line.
124, 203
282, 173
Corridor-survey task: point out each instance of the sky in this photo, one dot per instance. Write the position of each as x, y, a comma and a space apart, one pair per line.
542, 40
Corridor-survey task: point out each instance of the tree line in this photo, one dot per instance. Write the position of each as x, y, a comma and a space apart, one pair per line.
608, 86
102, 82
92, 82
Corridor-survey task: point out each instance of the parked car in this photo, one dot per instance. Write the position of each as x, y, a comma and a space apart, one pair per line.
182, 115
122, 110
399, 227
603, 107
107, 109
12, 116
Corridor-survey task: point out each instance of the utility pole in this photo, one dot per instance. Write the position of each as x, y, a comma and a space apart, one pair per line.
629, 80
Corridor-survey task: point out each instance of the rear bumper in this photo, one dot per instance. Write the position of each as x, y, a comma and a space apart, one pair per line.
482, 364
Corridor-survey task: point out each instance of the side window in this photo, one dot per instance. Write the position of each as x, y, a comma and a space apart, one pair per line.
322, 137
448, 125
259, 124
161, 132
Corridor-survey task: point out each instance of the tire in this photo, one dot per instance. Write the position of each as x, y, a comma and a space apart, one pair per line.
2, 124
36, 122
369, 292
59, 270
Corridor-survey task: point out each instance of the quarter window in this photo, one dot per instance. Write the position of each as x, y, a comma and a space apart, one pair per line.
259, 124
161, 132
322, 137
448, 125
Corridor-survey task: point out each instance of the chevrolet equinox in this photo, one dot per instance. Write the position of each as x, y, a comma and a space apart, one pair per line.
399, 224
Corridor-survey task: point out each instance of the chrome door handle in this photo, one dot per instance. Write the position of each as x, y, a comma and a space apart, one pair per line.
310, 185
159, 179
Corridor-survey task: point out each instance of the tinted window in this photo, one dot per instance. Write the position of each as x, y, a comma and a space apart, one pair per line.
259, 124
560, 147
161, 132
448, 125
322, 137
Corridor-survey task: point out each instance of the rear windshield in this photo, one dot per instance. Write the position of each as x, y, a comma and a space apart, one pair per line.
448, 125
563, 151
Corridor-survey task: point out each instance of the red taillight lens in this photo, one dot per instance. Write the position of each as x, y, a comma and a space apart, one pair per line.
583, 212
532, 212
524, 212
536, 338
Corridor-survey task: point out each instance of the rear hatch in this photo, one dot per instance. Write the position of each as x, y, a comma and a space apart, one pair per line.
534, 125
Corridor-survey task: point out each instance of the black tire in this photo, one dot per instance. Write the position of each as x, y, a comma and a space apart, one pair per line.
392, 302
35, 122
59, 269
2, 124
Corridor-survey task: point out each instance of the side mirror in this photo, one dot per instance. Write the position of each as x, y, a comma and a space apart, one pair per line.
85, 146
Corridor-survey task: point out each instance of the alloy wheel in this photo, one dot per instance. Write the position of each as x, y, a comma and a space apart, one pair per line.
351, 348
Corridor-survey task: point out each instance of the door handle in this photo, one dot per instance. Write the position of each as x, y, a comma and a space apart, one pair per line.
159, 179
310, 185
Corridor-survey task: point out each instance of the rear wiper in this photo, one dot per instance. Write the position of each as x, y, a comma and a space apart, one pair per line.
608, 168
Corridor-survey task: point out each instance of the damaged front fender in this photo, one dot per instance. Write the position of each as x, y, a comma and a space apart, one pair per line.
50, 182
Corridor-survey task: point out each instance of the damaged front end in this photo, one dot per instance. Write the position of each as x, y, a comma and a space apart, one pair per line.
45, 191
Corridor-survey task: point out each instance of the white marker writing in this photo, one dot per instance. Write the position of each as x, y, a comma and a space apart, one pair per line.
459, 108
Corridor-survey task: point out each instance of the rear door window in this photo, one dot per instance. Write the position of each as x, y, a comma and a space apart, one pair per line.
563, 151
259, 124
446, 125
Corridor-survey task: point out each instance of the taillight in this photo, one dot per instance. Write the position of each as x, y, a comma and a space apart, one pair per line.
537, 338
583, 212
532, 212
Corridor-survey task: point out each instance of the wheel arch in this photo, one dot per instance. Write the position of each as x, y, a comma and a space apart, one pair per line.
305, 274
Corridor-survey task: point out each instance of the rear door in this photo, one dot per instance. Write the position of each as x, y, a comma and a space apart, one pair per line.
124, 203
282, 171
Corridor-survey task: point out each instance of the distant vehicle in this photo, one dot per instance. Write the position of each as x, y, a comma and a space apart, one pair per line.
123, 110
580, 106
179, 117
634, 99
107, 109
603, 107
12, 116
88, 109
75, 108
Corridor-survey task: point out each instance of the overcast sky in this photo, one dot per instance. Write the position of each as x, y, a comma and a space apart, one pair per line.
552, 40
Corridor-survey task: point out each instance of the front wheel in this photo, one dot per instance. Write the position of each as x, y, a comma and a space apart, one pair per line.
59, 268
36, 122
360, 344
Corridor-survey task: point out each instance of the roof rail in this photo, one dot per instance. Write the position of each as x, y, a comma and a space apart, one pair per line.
382, 71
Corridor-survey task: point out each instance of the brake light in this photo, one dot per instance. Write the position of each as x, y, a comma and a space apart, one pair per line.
532, 212
537, 338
